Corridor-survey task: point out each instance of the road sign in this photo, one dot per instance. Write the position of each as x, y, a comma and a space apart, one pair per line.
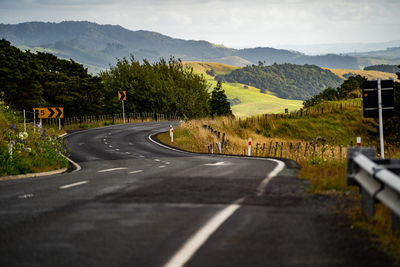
122, 95
370, 98
50, 113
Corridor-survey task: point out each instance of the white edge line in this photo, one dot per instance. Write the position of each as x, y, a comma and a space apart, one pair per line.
113, 169
72, 185
170, 148
275, 171
76, 165
200, 237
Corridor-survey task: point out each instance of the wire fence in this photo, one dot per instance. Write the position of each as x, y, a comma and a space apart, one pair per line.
81, 121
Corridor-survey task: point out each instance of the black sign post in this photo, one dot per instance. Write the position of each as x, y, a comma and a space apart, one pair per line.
378, 102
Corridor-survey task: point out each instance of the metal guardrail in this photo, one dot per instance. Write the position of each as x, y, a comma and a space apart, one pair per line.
378, 179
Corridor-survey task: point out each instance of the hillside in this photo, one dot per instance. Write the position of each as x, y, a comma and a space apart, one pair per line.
247, 100
98, 46
384, 68
369, 74
287, 81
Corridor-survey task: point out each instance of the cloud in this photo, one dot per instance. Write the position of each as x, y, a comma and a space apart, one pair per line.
235, 23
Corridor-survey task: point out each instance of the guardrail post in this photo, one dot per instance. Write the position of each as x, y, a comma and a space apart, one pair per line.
367, 204
370, 152
395, 221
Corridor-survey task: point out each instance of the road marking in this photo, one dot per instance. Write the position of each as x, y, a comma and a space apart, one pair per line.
110, 146
167, 162
157, 160
128, 153
221, 163
117, 149
105, 143
72, 185
162, 166
275, 171
136, 171
26, 196
201, 236
113, 169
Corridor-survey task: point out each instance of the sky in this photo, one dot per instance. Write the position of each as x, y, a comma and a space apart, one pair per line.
233, 23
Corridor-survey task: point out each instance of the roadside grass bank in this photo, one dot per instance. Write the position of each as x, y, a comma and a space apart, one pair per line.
32, 151
314, 139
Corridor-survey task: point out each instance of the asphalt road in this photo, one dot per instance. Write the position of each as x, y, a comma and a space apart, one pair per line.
136, 203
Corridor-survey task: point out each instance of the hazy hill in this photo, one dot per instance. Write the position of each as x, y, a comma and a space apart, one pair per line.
384, 68
99, 45
369, 74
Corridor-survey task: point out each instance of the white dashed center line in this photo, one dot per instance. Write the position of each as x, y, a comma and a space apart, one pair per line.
26, 196
72, 185
113, 169
136, 171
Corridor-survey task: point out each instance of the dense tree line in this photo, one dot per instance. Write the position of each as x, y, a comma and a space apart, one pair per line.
30, 80
350, 88
159, 87
287, 81
384, 68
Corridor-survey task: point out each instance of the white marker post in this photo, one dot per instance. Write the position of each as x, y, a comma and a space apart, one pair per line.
249, 153
10, 147
380, 118
171, 133
24, 121
358, 141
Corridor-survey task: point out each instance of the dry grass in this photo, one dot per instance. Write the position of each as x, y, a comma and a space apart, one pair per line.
370, 74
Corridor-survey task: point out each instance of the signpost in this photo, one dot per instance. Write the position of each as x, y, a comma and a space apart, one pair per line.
50, 113
122, 98
378, 102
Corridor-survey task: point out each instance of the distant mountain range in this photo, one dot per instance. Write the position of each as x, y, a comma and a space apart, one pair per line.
98, 46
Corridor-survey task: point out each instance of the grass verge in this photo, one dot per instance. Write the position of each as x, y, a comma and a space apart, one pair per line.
31, 151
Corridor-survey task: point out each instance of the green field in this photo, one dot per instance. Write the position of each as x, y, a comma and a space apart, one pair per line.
252, 101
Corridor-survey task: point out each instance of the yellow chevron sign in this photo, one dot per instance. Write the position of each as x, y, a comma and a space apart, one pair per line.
50, 113
121, 95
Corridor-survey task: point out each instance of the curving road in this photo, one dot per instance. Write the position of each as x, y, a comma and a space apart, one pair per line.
137, 203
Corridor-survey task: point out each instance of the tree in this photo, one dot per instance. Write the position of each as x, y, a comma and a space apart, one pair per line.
162, 87
392, 124
219, 103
